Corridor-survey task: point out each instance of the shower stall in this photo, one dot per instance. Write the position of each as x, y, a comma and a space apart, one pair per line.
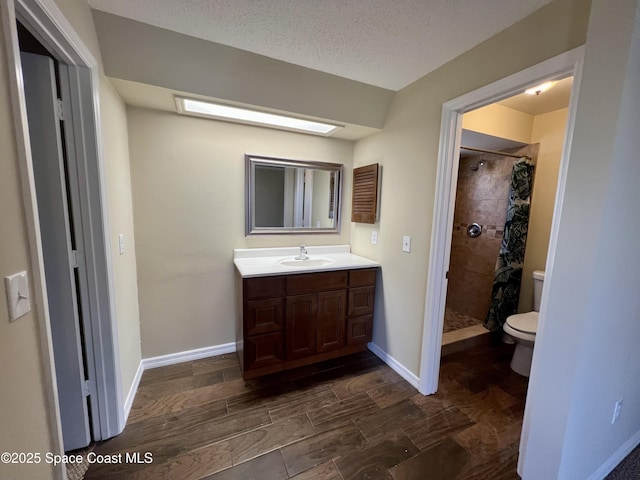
482, 198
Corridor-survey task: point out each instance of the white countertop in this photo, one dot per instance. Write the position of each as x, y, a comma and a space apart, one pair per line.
262, 262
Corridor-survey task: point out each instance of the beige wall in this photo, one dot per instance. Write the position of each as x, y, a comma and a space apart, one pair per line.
116, 149
78, 15
407, 149
500, 122
189, 209
548, 132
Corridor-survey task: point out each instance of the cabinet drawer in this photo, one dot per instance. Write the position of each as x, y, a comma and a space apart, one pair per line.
316, 282
263, 316
359, 330
361, 301
263, 287
263, 350
360, 278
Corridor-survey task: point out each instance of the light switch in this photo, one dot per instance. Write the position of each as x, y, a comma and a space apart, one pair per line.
374, 237
406, 244
18, 299
121, 243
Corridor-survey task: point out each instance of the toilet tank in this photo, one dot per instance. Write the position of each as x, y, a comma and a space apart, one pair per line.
538, 280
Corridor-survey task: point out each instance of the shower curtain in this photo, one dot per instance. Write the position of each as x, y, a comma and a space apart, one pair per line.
508, 273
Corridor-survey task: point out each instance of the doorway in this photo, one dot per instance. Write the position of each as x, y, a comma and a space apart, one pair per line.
567, 64
77, 70
493, 138
46, 86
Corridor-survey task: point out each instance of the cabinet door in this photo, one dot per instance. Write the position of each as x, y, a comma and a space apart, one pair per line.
361, 301
263, 316
332, 308
359, 330
262, 350
301, 320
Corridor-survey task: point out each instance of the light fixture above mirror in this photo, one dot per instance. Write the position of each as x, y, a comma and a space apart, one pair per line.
218, 111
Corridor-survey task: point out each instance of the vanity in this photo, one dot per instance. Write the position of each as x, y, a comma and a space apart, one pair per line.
296, 309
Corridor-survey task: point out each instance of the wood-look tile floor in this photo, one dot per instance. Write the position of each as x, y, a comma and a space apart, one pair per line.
350, 418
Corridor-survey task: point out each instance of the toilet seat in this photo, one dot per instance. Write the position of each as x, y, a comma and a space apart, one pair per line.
524, 322
522, 326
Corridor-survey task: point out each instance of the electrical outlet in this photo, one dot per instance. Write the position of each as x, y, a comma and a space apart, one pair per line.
616, 411
374, 237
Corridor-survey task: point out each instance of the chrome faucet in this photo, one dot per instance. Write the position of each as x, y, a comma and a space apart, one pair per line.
303, 253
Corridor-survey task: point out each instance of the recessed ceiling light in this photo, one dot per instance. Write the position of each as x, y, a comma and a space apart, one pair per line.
252, 117
538, 89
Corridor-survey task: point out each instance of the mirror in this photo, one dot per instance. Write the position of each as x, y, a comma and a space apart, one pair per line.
292, 196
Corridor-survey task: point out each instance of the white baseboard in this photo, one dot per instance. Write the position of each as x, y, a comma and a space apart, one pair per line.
395, 365
179, 357
607, 467
131, 395
170, 359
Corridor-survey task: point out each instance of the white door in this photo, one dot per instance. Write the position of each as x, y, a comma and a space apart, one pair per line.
60, 251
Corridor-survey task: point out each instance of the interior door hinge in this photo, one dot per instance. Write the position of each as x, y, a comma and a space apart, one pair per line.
446, 275
76, 258
86, 388
60, 109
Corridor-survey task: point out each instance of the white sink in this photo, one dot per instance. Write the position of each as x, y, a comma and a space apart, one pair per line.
262, 262
308, 263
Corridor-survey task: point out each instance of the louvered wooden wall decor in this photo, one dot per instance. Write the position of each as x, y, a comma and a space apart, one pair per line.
365, 194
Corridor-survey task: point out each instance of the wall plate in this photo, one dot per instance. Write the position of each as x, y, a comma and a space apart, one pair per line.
18, 301
406, 244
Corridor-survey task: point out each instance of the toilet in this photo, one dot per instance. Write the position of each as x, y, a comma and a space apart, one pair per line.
522, 328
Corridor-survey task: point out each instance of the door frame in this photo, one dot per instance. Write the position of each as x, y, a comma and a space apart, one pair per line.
560, 66
47, 23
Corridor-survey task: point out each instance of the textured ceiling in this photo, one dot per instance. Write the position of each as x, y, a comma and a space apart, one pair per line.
386, 43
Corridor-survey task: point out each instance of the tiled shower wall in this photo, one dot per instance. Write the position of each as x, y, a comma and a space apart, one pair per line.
481, 198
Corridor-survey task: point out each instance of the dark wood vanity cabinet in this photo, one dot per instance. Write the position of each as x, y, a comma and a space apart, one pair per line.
287, 321
360, 313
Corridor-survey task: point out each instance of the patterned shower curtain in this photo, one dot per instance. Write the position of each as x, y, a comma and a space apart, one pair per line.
506, 281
